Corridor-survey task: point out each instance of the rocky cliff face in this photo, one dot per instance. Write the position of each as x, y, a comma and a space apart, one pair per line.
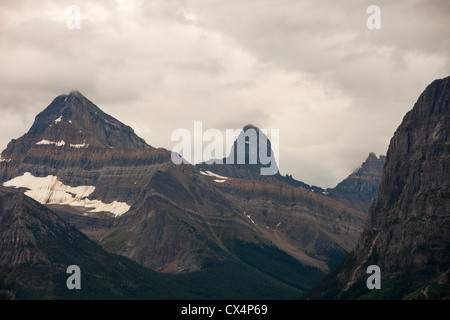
407, 231
360, 188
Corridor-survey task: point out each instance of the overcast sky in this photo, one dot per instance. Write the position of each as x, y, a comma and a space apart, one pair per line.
312, 69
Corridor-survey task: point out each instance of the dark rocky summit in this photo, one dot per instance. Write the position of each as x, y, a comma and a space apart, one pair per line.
244, 160
360, 188
73, 140
76, 120
407, 233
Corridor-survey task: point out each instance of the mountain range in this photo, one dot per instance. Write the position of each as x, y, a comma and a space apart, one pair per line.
81, 181
130, 198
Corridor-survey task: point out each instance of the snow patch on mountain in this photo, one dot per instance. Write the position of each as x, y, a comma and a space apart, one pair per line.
79, 146
47, 142
49, 190
212, 174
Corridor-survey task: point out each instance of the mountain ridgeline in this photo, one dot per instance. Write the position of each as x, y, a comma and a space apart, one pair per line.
357, 191
128, 197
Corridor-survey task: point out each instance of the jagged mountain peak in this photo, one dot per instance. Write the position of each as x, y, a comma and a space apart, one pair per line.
250, 157
360, 188
250, 126
372, 156
63, 105
76, 93
372, 164
254, 146
74, 119
68, 145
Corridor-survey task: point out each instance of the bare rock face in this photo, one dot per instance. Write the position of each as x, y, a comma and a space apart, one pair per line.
17, 243
407, 233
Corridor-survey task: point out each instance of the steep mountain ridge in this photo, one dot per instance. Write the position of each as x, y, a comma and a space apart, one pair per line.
407, 230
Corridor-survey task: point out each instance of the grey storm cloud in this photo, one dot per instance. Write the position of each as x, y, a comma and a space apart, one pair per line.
335, 89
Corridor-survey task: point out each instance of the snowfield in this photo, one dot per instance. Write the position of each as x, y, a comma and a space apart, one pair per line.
49, 190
